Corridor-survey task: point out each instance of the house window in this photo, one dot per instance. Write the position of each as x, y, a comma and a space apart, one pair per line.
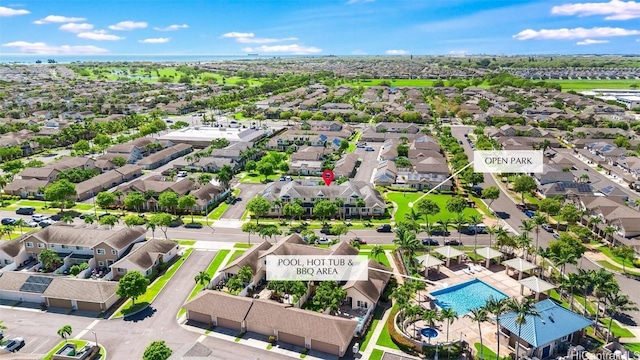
64, 246
40, 246
100, 251
79, 248
113, 252
148, 272
52, 246
29, 244
110, 262
122, 270
101, 263
7, 261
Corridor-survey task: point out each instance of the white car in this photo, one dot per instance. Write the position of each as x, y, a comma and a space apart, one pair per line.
31, 224
39, 217
13, 344
323, 241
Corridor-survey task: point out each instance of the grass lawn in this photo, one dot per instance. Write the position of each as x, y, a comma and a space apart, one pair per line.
377, 316
79, 344
616, 329
594, 84
216, 214
633, 347
84, 207
154, 289
486, 352
607, 251
480, 205
236, 253
403, 199
255, 178
241, 246
376, 354
385, 338
382, 258
608, 265
186, 242
384, 247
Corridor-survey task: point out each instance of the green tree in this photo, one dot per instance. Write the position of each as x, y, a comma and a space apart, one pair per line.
245, 274
406, 241
491, 193
570, 214
616, 304
339, 230
133, 220
65, 331
82, 146
204, 179
161, 220
224, 176
158, 350
234, 285
626, 253
550, 206
202, 278
133, 284
250, 228
50, 259
250, 166
60, 191
134, 200
523, 309
497, 307
168, 200
449, 316
109, 220
105, 199
258, 206
475, 220
292, 210
266, 169
187, 202
269, 231
524, 184
324, 209
376, 251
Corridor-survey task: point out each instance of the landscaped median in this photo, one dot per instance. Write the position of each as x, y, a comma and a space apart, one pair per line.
153, 290
79, 345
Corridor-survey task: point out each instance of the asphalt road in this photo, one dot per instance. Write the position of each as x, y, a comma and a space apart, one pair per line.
507, 210
247, 192
369, 162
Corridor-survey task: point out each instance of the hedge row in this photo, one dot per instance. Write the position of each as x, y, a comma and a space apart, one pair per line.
402, 343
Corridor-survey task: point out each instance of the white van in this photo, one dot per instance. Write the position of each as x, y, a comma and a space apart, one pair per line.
480, 228
234, 124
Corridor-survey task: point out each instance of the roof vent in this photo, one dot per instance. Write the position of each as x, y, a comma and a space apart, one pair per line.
551, 318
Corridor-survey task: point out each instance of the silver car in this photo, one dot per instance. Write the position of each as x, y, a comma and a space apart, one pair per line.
13, 344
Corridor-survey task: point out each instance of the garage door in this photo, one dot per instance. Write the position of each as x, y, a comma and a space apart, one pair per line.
325, 347
199, 317
60, 303
229, 324
21, 296
89, 306
291, 339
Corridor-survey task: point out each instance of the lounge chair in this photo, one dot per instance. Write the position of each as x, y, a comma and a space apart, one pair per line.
468, 271
479, 267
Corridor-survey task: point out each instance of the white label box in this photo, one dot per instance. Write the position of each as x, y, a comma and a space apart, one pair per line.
508, 161
317, 268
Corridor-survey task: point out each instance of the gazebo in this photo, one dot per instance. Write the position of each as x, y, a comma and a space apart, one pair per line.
449, 252
488, 253
536, 285
520, 265
429, 261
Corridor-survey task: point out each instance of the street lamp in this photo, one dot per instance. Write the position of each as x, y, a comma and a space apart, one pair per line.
96, 337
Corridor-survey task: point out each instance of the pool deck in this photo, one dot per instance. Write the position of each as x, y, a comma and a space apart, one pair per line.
463, 327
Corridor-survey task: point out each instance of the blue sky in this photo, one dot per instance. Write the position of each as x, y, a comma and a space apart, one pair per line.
318, 27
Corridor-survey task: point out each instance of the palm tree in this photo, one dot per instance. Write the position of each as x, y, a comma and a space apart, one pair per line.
479, 315
410, 312
118, 195
460, 221
376, 251
608, 231
340, 204
491, 230
618, 303
444, 224
67, 219
593, 222
360, 203
20, 223
89, 219
526, 227
449, 316
427, 207
407, 242
202, 278
604, 284
224, 176
65, 331
571, 283
522, 308
151, 225
585, 277
538, 221
475, 219
412, 218
430, 316
277, 203
497, 307
523, 241
563, 258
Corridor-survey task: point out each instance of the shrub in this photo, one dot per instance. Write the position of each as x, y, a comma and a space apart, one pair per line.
272, 339
193, 225
402, 343
636, 263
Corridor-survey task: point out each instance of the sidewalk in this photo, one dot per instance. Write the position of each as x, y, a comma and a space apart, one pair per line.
598, 256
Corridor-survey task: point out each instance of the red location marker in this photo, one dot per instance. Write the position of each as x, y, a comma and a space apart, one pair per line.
327, 176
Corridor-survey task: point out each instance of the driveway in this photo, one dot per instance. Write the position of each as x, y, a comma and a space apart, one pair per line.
369, 162
247, 192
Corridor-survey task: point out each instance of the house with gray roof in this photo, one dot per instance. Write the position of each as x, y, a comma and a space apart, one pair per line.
309, 192
145, 257
12, 254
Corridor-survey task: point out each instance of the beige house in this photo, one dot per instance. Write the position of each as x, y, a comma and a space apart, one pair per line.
12, 254
145, 257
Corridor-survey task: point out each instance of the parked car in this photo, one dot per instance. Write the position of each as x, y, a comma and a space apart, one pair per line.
480, 229
547, 228
440, 232
323, 241
452, 242
556, 235
13, 344
369, 148
359, 240
361, 145
44, 223
521, 207
8, 221
430, 242
530, 214
26, 210
326, 231
39, 217
386, 228
31, 224
182, 174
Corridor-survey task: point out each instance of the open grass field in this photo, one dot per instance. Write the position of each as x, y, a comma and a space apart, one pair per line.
581, 85
114, 73
402, 201
376, 354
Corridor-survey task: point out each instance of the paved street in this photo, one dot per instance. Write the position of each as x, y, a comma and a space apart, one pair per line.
507, 210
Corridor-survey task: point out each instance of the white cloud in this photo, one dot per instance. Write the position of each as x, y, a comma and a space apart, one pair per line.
294, 49
252, 40
235, 34
128, 25
396, 52
58, 19
350, 2
99, 35
6, 12
458, 52
155, 41
614, 9
358, 52
173, 27
76, 28
591, 42
576, 33
44, 49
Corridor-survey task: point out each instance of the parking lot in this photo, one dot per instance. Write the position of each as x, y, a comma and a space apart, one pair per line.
247, 192
369, 161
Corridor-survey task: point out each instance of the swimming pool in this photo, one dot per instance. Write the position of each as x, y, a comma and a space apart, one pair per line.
466, 296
